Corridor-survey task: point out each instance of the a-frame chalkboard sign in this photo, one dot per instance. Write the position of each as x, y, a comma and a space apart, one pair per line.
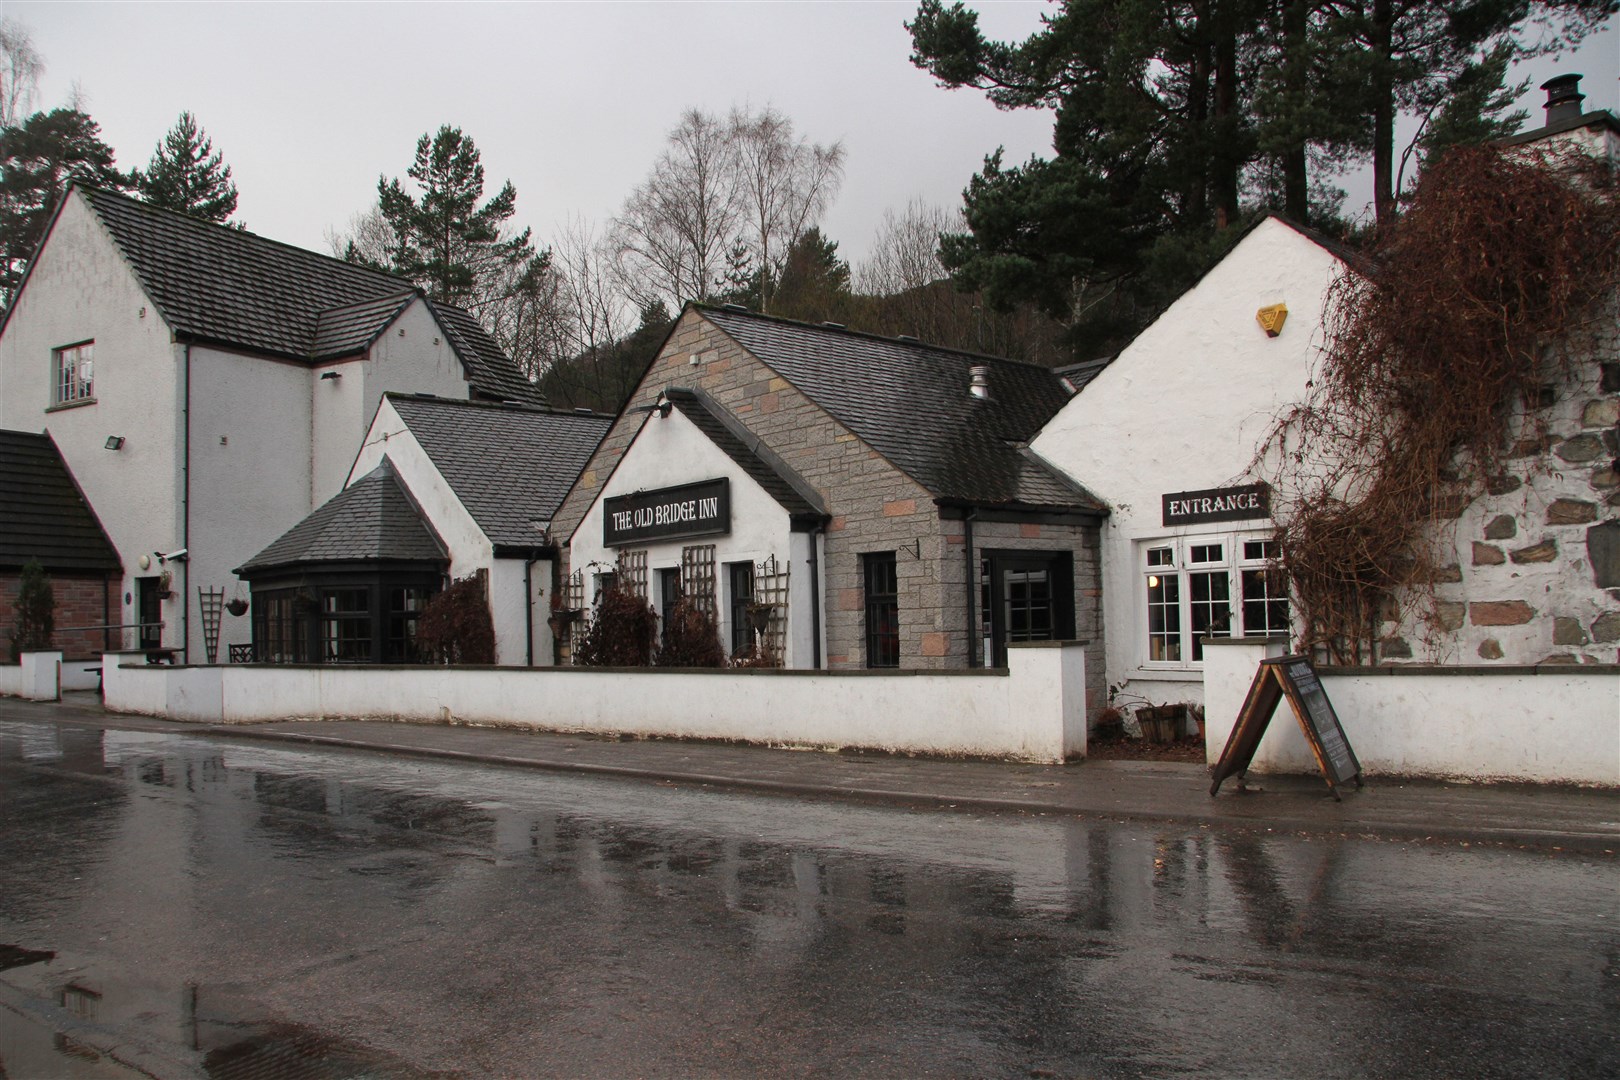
1292, 677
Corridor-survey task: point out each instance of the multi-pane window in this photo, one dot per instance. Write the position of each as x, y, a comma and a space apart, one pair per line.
882, 610
73, 374
405, 604
346, 626
1163, 606
740, 579
277, 636
1200, 587
1027, 605
1265, 592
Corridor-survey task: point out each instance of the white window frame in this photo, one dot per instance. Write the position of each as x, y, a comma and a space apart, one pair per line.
1177, 601
73, 369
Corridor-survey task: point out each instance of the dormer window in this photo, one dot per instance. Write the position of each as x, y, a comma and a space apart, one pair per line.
73, 374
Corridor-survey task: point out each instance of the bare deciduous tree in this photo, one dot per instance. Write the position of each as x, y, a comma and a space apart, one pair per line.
785, 184
905, 253
674, 231
20, 69
587, 364
723, 206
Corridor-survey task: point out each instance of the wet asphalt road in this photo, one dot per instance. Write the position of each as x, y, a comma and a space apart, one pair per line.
175, 906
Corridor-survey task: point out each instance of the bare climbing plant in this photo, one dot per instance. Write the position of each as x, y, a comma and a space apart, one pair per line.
1437, 351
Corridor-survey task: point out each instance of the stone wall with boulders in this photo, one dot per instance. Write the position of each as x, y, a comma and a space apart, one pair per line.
1536, 575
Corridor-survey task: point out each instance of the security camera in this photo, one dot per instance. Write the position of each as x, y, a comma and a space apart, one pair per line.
173, 556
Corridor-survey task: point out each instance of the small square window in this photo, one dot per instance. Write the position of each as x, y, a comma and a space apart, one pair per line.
1206, 553
1260, 550
73, 374
1161, 557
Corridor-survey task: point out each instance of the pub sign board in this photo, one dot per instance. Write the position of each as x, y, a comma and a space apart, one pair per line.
701, 509
1217, 504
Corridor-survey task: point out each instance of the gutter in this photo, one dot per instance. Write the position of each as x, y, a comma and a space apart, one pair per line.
815, 596
185, 526
971, 585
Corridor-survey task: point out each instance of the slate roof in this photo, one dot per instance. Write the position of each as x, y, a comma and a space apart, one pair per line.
509, 465
43, 514
227, 286
770, 472
911, 402
1080, 375
372, 520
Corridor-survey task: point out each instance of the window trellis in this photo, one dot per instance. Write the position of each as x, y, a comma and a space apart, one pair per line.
771, 592
697, 576
633, 572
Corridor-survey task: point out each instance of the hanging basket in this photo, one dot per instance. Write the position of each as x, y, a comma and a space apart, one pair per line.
237, 606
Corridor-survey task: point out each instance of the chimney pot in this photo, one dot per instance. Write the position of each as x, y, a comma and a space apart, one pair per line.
1564, 98
979, 384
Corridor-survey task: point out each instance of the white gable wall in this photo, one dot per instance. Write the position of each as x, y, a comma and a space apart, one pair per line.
81, 289
511, 607
412, 355
670, 451
1184, 408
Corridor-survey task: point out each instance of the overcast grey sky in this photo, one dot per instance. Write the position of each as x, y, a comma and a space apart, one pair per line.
310, 102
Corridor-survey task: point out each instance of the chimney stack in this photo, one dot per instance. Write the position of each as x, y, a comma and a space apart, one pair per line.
1564, 98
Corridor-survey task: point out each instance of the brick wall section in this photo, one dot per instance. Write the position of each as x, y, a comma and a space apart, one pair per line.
874, 506
79, 600
1535, 576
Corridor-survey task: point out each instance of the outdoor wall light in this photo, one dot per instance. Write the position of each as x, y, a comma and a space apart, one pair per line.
660, 408
114, 442
333, 375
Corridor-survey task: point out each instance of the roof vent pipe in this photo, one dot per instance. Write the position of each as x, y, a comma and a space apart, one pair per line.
979, 386
1564, 98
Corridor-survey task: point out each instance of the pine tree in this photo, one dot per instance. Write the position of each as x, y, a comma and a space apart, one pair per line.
446, 241
38, 159
186, 174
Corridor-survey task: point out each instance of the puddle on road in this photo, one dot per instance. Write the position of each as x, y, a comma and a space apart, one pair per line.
250, 911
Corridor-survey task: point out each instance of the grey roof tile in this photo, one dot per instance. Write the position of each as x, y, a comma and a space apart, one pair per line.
344, 331
780, 482
43, 515
372, 520
911, 402
229, 286
510, 465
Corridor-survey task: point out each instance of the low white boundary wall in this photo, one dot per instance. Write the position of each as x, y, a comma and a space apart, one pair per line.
1555, 723
38, 677
1035, 711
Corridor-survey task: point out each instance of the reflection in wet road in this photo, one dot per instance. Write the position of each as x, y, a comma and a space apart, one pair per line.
174, 906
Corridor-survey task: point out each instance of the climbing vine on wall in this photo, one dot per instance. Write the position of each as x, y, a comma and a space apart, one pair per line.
1437, 351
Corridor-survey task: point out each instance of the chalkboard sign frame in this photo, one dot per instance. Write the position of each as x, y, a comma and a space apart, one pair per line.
1292, 677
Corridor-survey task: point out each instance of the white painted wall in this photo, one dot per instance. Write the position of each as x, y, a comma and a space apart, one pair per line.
670, 451
1184, 408
1553, 724
250, 474
338, 414
1036, 712
412, 355
80, 289
36, 677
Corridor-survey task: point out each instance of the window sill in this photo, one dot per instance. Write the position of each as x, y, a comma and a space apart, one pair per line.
64, 406
1170, 674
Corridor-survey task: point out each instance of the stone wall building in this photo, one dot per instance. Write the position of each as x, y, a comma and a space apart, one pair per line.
891, 479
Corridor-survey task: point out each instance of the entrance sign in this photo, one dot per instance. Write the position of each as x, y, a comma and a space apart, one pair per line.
1295, 678
701, 509
1217, 504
